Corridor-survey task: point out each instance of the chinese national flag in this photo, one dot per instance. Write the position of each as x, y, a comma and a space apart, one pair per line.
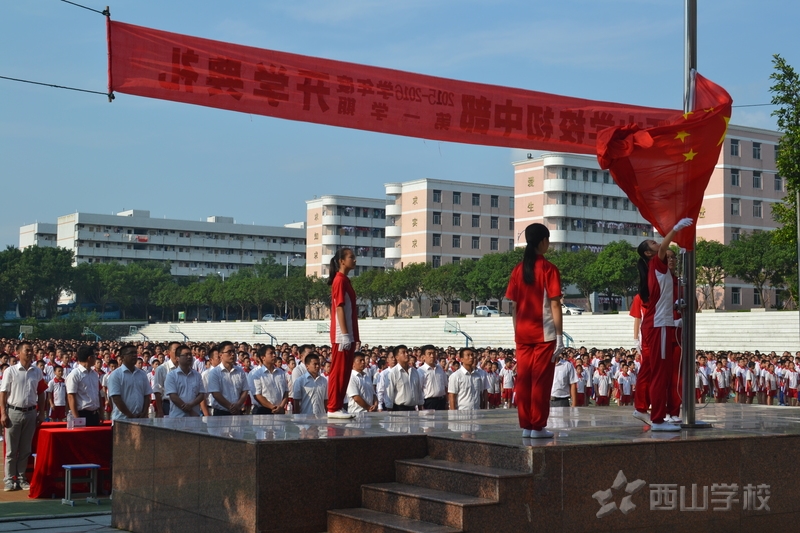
664, 170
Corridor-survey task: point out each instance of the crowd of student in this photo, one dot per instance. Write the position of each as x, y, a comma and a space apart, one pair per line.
263, 379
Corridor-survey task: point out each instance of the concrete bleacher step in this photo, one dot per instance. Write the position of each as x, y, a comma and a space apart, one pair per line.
420, 503
362, 520
468, 479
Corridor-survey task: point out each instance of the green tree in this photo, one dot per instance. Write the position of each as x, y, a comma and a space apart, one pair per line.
576, 269
41, 274
142, 280
614, 270
786, 95
755, 259
411, 281
363, 285
8, 269
169, 295
439, 284
710, 269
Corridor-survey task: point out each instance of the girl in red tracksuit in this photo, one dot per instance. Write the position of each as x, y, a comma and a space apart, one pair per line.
659, 342
535, 292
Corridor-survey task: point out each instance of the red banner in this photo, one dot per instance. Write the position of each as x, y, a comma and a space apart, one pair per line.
665, 170
169, 66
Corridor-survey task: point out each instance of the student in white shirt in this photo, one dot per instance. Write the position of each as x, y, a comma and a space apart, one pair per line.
434, 380
57, 396
310, 393
403, 384
184, 386
270, 385
83, 388
213, 361
227, 383
360, 393
128, 387
466, 387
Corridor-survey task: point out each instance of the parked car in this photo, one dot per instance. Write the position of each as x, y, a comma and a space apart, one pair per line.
571, 309
486, 310
271, 318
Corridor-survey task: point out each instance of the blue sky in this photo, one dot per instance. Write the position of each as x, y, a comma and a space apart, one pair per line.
62, 151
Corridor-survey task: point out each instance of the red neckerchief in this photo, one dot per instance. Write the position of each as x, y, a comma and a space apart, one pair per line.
57, 380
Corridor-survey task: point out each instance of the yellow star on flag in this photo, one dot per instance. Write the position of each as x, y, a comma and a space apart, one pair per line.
689, 155
682, 135
709, 110
724, 133
686, 115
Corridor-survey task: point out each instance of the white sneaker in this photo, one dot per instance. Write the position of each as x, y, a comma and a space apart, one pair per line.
541, 434
664, 426
340, 414
526, 433
644, 417
674, 420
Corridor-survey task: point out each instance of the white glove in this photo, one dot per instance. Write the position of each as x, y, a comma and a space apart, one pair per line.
345, 341
559, 348
682, 223
679, 323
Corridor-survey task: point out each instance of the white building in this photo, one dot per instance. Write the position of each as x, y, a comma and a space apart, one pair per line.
193, 248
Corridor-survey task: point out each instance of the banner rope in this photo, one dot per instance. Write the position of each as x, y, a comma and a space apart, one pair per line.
105, 13
109, 95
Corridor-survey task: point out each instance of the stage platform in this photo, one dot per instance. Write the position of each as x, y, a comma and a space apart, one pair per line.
459, 471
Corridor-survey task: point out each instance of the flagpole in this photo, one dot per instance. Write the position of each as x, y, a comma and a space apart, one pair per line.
689, 312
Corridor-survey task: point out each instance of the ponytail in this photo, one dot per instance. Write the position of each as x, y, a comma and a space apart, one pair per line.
534, 235
641, 266
335, 261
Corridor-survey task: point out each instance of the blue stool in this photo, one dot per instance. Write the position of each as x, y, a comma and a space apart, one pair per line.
69, 480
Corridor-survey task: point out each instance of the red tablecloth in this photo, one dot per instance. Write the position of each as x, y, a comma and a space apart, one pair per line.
57, 446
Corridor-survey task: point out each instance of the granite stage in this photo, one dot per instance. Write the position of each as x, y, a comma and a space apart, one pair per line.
459, 471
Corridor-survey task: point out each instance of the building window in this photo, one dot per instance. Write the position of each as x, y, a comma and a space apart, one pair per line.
594, 176
437, 239
735, 147
735, 177
476, 200
606, 177
494, 244
756, 179
495, 223
437, 218
756, 297
436, 261
456, 241
778, 183
564, 173
511, 203
585, 200
456, 260
456, 198
476, 221
757, 208
614, 203
510, 244
574, 173
437, 196
625, 204
735, 234
456, 219
735, 205
756, 150
585, 175
511, 224
476, 243
573, 199
594, 201
736, 296
605, 202
495, 201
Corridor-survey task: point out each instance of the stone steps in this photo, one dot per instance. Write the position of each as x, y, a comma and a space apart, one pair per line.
369, 521
471, 480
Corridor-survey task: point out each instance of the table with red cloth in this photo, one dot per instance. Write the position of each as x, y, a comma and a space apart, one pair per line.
44, 425
58, 446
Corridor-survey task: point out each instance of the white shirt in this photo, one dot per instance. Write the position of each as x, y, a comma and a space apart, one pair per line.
626, 384
251, 381
21, 385
230, 383
493, 381
187, 386
85, 385
271, 385
563, 377
508, 378
131, 387
59, 392
467, 386
434, 381
199, 365
602, 382
161, 376
311, 393
403, 387
360, 385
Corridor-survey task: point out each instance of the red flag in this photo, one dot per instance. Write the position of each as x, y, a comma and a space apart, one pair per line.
169, 66
665, 170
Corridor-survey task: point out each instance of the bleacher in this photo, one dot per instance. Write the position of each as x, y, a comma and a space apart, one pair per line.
764, 331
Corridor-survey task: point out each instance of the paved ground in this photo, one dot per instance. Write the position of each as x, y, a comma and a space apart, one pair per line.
66, 524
